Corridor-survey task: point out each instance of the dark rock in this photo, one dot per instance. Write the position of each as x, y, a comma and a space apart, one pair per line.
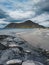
2, 47
1, 64
27, 51
21, 42
3, 37
47, 62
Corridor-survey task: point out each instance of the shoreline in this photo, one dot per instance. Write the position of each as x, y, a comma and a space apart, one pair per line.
37, 38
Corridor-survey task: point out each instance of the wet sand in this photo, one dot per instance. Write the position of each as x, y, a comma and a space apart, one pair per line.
37, 38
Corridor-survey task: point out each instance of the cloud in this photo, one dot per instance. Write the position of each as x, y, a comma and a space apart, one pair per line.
46, 23
20, 15
3, 23
3, 14
43, 6
42, 19
24, 5
20, 10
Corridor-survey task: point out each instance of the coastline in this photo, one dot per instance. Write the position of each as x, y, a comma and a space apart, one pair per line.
37, 38
14, 42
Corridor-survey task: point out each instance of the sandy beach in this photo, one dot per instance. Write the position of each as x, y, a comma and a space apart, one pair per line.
37, 38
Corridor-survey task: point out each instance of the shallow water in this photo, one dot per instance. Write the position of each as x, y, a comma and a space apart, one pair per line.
16, 30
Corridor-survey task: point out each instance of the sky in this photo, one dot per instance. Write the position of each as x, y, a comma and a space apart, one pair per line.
22, 10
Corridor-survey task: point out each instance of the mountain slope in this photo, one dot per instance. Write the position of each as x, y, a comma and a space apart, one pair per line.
26, 24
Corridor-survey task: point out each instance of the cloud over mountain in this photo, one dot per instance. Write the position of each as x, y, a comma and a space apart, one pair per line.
20, 10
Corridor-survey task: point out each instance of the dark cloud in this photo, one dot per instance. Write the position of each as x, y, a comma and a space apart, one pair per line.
3, 14
43, 6
13, 20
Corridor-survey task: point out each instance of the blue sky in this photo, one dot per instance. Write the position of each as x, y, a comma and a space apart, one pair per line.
21, 10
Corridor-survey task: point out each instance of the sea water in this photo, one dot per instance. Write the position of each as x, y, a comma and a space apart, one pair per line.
15, 30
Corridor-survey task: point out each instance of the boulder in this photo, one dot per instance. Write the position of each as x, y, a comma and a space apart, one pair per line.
14, 62
29, 62
2, 47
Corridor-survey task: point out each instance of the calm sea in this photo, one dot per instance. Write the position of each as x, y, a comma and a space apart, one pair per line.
14, 30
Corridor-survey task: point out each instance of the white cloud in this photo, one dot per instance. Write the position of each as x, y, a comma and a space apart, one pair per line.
36, 1
3, 22
42, 19
46, 23
21, 14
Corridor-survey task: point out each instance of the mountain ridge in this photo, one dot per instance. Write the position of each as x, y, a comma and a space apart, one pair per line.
26, 24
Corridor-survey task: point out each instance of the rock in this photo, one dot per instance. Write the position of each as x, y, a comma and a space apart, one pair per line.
14, 62
17, 40
4, 43
16, 50
7, 55
3, 37
8, 39
2, 47
12, 45
47, 54
20, 48
47, 62
27, 54
27, 51
21, 42
1, 64
15, 46
38, 63
29, 62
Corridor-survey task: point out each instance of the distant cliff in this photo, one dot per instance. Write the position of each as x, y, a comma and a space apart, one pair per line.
26, 24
